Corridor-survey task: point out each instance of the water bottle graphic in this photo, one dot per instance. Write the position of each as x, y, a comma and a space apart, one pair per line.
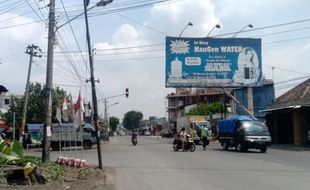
176, 68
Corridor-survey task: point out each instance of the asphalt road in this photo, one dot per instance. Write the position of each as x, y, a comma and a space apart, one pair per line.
152, 164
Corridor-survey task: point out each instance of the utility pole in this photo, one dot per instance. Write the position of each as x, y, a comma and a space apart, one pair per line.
33, 51
92, 81
47, 133
105, 113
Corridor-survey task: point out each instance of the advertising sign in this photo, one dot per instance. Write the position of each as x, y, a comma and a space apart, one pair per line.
213, 62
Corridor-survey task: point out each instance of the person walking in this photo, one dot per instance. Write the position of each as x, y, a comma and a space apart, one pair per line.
204, 136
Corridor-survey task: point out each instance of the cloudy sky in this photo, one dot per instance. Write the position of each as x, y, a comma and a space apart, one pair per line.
129, 35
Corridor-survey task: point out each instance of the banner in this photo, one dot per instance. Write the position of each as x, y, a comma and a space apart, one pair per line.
213, 62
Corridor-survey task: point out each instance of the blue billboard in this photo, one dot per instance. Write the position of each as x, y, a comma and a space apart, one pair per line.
213, 62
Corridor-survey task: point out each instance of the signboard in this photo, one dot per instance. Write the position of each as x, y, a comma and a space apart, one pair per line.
213, 62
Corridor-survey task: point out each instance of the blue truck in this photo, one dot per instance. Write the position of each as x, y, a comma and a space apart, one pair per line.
243, 133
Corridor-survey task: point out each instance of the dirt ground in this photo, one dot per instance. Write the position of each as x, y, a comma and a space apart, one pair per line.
96, 180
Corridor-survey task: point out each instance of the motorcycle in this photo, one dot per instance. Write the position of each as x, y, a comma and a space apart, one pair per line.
189, 145
134, 138
134, 141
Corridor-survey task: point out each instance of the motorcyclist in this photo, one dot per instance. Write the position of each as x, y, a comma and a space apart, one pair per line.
183, 137
134, 134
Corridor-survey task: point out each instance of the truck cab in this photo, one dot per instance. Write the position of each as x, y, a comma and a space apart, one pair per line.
243, 133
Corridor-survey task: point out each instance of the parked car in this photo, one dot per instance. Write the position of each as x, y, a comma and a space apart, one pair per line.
147, 133
167, 133
104, 136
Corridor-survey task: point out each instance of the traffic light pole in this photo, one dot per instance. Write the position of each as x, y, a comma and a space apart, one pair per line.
92, 81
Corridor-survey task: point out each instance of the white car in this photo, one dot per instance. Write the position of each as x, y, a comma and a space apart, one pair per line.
147, 133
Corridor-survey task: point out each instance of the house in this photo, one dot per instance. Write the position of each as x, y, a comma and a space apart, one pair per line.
288, 118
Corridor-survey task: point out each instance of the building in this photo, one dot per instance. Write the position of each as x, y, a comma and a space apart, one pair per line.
4, 99
180, 102
262, 97
184, 98
153, 125
288, 118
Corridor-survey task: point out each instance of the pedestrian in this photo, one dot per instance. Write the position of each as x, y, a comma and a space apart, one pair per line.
204, 136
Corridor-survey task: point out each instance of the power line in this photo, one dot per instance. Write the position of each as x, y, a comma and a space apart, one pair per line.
291, 80
287, 40
284, 69
266, 27
39, 9
281, 32
146, 26
35, 12
19, 25
75, 38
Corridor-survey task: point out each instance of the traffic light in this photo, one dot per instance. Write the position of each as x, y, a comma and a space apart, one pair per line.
127, 92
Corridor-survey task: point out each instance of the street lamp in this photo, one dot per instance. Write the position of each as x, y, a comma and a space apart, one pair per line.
249, 25
216, 26
188, 24
106, 119
92, 79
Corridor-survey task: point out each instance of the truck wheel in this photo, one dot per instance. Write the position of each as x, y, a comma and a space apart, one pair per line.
225, 146
263, 149
87, 145
239, 147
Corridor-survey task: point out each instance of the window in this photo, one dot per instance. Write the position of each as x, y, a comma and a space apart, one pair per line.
6, 101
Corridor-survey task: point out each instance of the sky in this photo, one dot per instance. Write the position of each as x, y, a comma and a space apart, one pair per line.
128, 38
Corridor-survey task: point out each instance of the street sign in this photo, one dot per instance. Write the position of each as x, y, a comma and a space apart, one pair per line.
213, 62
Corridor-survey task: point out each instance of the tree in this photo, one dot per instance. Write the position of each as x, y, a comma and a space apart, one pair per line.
204, 109
35, 108
199, 109
215, 107
113, 122
131, 119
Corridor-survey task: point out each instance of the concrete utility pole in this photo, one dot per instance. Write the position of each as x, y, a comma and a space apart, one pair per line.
92, 81
92, 78
33, 51
47, 133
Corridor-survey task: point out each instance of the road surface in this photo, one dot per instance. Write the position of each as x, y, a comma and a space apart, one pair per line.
153, 165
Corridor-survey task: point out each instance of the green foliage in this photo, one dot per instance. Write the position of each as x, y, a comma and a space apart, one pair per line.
84, 172
113, 122
11, 151
56, 171
131, 119
199, 109
215, 107
25, 159
204, 109
35, 108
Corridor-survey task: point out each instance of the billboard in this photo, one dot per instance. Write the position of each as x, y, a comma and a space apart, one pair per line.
213, 62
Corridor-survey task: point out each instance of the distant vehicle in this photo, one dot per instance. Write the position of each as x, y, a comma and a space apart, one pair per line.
134, 138
147, 133
167, 133
243, 133
104, 136
66, 135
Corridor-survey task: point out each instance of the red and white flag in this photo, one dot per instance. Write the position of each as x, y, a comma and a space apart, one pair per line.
65, 114
58, 111
79, 110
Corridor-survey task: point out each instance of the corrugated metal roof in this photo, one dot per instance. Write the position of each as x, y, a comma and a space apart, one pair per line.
301, 91
297, 97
